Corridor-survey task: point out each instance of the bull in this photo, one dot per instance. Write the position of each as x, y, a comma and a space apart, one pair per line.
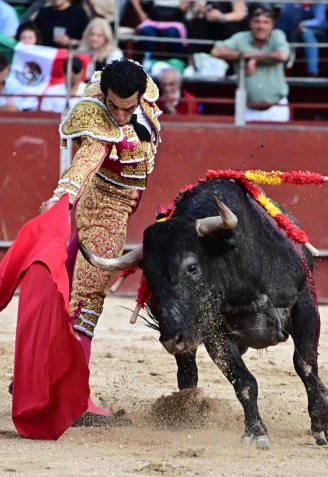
223, 274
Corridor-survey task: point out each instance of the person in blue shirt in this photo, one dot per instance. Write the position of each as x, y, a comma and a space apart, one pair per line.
306, 23
8, 19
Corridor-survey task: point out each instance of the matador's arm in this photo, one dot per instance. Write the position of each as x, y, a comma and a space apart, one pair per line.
80, 173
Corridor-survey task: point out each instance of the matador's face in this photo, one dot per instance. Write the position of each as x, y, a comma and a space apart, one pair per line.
121, 109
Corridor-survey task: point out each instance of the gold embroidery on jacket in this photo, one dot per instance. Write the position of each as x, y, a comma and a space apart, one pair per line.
138, 171
151, 93
137, 155
90, 118
130, 134
148, 110
132, 183
90, 125
101, 216
85, 164
113, 153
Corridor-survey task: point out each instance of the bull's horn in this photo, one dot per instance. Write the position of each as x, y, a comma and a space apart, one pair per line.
135, 314
130, 259
117, 284
315, 252
209, 225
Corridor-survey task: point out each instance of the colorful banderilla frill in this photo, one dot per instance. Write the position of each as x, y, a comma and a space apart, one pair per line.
248, 179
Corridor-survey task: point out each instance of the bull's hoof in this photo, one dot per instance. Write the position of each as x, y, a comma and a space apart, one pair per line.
320, 438
89, 419
262, 442
247, 439
10, 387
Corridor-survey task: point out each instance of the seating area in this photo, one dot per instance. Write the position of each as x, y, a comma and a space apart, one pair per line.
129, 22
307, 96
308, 99
216, 96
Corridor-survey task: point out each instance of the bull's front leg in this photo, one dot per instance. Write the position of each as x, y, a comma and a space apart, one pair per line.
187, 370
305, 333
225, 354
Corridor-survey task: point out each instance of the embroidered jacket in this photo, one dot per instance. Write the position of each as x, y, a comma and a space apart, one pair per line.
114, 152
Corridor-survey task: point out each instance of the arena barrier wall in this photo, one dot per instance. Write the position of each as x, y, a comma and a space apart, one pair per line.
30, 169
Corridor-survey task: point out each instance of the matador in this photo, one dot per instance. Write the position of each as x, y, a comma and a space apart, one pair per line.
116, 129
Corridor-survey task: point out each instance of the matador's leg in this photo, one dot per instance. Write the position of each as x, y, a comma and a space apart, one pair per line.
101, 217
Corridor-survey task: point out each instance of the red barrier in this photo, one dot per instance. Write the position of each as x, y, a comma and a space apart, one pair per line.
29, 148
30, 168
187, 151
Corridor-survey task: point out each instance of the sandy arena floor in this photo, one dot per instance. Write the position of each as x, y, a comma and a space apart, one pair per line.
131, 370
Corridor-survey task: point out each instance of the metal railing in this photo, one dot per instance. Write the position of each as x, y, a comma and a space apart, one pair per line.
239, 118
197, 41
241, 94
239, 102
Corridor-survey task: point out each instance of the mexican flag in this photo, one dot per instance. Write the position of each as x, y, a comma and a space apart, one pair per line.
34, 68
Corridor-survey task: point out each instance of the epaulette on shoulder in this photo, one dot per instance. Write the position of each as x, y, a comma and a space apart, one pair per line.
96, 77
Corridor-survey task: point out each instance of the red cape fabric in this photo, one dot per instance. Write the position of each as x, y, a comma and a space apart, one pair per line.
51, 376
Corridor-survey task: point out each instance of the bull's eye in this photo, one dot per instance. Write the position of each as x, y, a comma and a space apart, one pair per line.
192, 269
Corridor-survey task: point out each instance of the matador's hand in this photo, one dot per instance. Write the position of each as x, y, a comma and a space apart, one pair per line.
46, 206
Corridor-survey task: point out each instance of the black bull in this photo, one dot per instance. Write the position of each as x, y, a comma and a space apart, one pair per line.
231, 288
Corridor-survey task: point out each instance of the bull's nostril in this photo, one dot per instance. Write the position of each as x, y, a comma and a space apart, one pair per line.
179, 340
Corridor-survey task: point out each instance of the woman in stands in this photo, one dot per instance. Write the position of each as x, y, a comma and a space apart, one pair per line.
29, 34
165, 18
98, 40
215, 21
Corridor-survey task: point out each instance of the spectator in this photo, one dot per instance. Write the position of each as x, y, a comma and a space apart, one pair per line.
93, 8
305, 23
265, 50
98, 40
8, 19
170, 85
14, 103
166, 18
123, 5
62, 24
100, 8
29, 34
32, 11
215, 21
56, 96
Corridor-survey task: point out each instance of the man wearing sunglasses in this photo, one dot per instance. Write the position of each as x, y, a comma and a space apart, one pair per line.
266, 51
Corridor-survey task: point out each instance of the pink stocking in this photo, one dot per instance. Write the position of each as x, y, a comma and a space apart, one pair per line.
92, 407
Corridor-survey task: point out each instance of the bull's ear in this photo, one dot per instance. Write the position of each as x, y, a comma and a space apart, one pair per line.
209, 225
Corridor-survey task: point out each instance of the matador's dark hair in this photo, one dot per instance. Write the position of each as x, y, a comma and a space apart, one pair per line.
124, 78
